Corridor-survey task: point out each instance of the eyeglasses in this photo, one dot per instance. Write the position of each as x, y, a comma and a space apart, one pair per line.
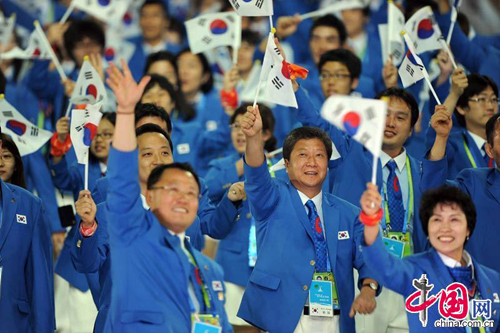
484, 100
336, 76
105, 136
174, 191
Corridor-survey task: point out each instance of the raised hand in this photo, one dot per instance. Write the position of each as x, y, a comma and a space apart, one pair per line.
441, 121
390, 74
86, 208
371, 199
69, 86
237, 192
126, 90
62, 128
459, 81
95, 60
287, 25
251, 123
231, 79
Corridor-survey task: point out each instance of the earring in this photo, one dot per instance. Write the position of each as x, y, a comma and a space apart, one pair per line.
467, 237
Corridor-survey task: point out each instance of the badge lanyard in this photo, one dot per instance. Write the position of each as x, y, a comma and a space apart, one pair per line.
469, 153
408, 214
204, 289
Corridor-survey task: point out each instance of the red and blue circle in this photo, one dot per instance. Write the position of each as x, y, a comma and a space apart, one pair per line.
89, 133
104, 2
351, 122
425, 29
127, 18
412, 59
247, 1
91, 90
109, 54
218, 27
17, 127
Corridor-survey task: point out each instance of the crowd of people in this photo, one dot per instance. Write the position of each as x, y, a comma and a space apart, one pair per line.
202, 211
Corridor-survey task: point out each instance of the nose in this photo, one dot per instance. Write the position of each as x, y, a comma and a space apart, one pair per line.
390, 121
156, 160
311, 161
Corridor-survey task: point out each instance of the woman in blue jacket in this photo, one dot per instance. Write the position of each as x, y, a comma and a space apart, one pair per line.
450, 276
237, 252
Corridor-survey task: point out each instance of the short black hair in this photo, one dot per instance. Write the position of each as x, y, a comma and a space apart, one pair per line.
143, 110
306, 132
412, 6
463, 23
153, 128
17, 177
477, 84
268, 122
406, 97
333, 22
157, 172
161, 56
182, 109
491, 128
80, 29
207, 86
344, 56
448, 195
249, 36
160, 3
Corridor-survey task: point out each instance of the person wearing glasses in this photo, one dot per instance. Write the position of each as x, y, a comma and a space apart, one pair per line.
481, 183
475, 105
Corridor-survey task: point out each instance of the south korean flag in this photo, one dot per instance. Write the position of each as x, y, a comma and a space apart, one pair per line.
89, 86
108, 11
276, 73
208, 31
253, 7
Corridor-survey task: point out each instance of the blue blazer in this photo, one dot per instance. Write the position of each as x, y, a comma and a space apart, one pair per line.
398, 275
27, 302
148, 268
483, 185
276, 292
350, 173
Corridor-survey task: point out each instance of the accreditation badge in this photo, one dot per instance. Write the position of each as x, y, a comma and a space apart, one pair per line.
205, 323
323, 297
402, 238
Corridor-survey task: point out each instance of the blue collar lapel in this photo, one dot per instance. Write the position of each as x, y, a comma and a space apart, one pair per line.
475, 151
9, 207
443, 273
331, 218
300, 210
176, 246
494, 184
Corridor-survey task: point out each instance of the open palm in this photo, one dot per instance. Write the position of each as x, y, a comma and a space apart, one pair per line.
126, 90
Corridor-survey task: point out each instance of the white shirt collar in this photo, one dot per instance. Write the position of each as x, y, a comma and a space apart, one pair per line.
400, 159
103, 167
478, 140
144, 203
318, 199
150, 49
182, 237
452, 263
359, 43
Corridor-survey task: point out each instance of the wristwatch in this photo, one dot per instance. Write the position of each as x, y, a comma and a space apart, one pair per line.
372, 285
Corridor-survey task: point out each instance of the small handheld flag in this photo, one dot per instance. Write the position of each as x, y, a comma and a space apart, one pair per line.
253, 7
334, 8
362, 119
395, 43
34, 50
6, 30
108, 11
89, 86
423, 31
28, 137
212, 30
47, 48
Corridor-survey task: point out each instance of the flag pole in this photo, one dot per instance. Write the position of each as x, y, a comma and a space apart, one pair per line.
447, 49
67, 13
390, 26
87, 170
431, 88
51, 52
68, 110
237, 41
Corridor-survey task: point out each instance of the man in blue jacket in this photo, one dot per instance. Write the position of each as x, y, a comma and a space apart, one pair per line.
26, 280
303, 236
159, 282
482, 184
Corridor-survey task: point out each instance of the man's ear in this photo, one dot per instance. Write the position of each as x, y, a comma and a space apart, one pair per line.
149, 197
205, 78
461, 110
286, 165
489, 149
354, 83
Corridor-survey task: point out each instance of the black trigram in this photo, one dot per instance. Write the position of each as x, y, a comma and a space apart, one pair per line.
396, 54
34, 131
206, 40
8, 114
259, 3
88, 75
235, 4
78, 128
370, 114
230, 18
338, 110
277, 51
202, 21
409, 70
277, 83
365, 137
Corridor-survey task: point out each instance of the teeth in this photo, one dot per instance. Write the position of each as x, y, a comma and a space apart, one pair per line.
180, 210
446, 239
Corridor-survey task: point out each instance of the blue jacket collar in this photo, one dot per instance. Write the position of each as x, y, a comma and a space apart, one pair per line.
10, 200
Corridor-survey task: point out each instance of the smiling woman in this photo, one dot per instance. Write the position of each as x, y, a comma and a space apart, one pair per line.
11, 163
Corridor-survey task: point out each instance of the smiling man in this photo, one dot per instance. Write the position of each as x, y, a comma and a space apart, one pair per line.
304, 236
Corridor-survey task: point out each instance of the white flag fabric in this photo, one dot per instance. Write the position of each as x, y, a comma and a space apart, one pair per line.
253, 7
423, 31
455, 6
89, 87
105, 10
35, 50
277, 76
117, 47
396, 24
6, 29
363, 119
208, 31
84, 125
335, 8
28, 137
412, 68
